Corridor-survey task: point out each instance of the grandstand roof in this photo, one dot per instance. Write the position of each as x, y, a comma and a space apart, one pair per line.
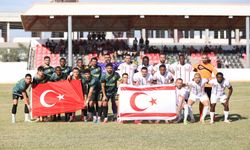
122, 16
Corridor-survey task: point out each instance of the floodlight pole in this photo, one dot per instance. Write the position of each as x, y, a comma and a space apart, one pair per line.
143, 34
248, 41
8, 32
70, 61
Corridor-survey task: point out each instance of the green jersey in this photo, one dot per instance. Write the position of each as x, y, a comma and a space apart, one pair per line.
110, 81
20, 87
66, 70
81, 71
37, 80
54, 77
93, 82
96, 71
48, 70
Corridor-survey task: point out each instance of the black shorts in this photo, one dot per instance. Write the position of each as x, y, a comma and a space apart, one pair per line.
17, 96
111, 97
208, 91
95, 97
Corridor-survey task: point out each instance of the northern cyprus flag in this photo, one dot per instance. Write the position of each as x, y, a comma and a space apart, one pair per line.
147, 102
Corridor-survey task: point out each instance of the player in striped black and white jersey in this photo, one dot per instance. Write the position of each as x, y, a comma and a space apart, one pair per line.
145, 63
182, 70
127, 67
163, 61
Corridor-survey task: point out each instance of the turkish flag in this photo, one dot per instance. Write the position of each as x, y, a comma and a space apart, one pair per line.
57, 97
156, 102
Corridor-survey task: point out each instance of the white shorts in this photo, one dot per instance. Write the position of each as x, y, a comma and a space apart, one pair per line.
216, 98
201, 98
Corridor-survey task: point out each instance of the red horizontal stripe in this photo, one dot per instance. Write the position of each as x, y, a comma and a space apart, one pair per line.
148, 88
147, 114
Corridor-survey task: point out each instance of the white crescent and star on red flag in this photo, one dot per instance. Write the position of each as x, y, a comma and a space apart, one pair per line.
44, 103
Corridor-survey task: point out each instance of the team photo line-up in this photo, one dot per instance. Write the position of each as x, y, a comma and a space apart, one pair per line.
101, 82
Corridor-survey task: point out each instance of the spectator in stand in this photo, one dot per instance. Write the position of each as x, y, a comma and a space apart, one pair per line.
53, 45
135, 42
141, 43
47, 44
103, 36
99, 36
147, 43
93, 36
89, 36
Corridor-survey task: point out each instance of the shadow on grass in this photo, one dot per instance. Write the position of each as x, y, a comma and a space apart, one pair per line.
220, 117
111, 117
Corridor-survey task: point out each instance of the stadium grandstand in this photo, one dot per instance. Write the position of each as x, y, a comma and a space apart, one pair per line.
136, 28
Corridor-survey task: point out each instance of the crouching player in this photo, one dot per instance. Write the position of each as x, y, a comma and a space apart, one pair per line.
182, 97
19, 91
218, 94
197, 93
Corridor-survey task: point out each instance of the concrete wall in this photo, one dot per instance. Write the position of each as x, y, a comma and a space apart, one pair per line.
11, 72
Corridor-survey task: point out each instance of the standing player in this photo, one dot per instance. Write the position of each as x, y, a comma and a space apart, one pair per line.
107, 59
65, 69
91, 88
96, 70
163, 76
142, 78
58, 75
218, 94
81, 67
182, 70
163, 61
40, 76
197, 93
109, 90
122, 81
205, 69
19, 91
127, 67
75, 76
48, 70
145, 63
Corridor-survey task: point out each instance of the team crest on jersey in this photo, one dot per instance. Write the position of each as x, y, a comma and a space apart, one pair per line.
114, 78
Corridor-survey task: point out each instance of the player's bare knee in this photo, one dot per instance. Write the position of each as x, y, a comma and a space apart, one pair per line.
15, 102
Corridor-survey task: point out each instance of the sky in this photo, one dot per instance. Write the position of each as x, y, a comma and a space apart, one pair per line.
22, 5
